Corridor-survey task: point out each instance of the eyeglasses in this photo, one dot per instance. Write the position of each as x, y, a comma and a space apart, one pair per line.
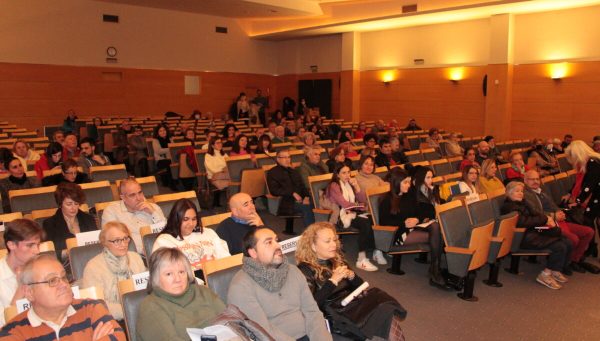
119, 241
54, 281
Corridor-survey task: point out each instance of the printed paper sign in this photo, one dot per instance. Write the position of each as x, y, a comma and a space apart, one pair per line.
140, 281
24, 304
289, 245
88, 238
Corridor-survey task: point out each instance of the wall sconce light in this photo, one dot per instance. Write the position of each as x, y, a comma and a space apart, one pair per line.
558, 71
388, 77
456, 74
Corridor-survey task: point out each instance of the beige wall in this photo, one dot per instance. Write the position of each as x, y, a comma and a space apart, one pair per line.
296, 56
465, 43
567, 34
71, 32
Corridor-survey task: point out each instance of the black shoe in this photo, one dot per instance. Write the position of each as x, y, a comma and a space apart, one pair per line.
589, 267
576, 267
443, 285
567, 271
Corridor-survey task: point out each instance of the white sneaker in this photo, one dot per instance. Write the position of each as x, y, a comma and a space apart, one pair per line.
366, 265
379, 257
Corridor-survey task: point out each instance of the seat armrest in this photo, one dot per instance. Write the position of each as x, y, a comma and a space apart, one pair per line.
321, 211
459, 250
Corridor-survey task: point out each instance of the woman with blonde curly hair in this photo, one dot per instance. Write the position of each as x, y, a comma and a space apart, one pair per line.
330, 280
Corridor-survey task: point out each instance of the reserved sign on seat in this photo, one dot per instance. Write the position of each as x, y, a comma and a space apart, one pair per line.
88, 238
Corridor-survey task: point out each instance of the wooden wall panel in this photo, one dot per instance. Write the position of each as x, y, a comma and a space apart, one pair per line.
36, 95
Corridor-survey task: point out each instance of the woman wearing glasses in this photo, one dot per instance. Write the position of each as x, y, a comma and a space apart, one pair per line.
115, 263
183, 232
68, 220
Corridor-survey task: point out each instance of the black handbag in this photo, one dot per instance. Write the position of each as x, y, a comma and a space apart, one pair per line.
576, 214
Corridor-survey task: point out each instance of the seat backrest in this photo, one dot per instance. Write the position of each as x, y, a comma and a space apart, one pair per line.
481, 236
564, 163
98, 191
39, 216
219, 272
506, 231
166, 201
318, 183
374, 196
265, 160
131, 305
200, 154
552, 187
174, 148
235, 165
79, 256
414, 141
148, 243
430, 154
502, 168
497, 199
455, 163
109, 173
414, 156
441, 167
562, 186
481, 211
455, 223
27, 200
253, 182
297, 155
212, 221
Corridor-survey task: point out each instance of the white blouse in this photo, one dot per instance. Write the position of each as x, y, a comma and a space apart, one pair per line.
214, 163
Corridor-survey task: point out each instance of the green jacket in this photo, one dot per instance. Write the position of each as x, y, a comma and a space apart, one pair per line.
165, 317
307, 169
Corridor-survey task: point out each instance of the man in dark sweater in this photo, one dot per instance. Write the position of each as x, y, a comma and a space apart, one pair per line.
243, 219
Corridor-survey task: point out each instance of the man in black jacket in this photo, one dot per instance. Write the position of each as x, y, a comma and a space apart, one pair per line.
285, 182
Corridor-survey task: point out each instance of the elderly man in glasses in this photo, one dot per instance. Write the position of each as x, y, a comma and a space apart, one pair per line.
54, 314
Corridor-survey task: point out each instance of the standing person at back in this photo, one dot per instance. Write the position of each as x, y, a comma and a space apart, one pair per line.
134, 211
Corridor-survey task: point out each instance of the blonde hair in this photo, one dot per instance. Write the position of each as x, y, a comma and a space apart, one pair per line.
485, 166
512, 186
578, 153
306, 254
110, 225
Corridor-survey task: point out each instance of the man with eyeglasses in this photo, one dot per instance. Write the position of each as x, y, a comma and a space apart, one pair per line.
134, 211
88, 156
285, 182
22, 239
54, 314
68, 173
243, 219
579, 235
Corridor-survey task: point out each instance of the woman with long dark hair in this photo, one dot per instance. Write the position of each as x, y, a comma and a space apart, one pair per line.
162, 156
264, 145
240, 146
344, 191
184, 232
51, 159
337, 157
399, 208
229, 133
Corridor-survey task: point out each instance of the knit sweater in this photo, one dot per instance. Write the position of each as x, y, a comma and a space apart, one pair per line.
366, 181
97, 274
288, 314
233, 234
79, 326
165, 317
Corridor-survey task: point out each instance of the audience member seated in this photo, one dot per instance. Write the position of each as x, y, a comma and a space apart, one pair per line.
137, 145
68, 173
434, 138
209, 135
545, 162
536, 239
308, 139
134, 211
120, 150
412, 125
285, 182
54, 312
16, 180
494, 151
274, 293
5, 154
279, 135
243, 219
566, 141
556, 146
360, 132
469, 180
58, 136
345, 143
320, 258
22, 150
115, 263
22, 239
183, 232
579, 235
68, 219
385, 157
488, 181
312, 164
469, 159
216, 167
370, 141
399, 208
483, 150
379, 127
427, 194
51, 159
398, 146
338, 157
88, 156
175, 302
453, 148
70, 149
365, 176
517, 168
162, 155
241, 147
344, 191
92, 129
264, 145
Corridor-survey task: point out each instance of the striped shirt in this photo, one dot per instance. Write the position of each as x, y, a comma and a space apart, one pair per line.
84, 317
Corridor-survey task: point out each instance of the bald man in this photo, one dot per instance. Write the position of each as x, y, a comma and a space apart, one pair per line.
243, 219
483, 150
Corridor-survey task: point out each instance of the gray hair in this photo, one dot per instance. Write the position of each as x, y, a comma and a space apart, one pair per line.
308, 149
27, 274
125, 182
162, 257
512, 186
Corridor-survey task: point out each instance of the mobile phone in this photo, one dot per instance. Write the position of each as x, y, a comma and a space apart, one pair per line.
208, 338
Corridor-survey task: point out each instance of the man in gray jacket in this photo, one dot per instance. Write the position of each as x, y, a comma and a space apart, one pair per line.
274, 293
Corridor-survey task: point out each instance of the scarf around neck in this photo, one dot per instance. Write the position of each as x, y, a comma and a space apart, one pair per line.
348, 193
119, 267
268, 277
